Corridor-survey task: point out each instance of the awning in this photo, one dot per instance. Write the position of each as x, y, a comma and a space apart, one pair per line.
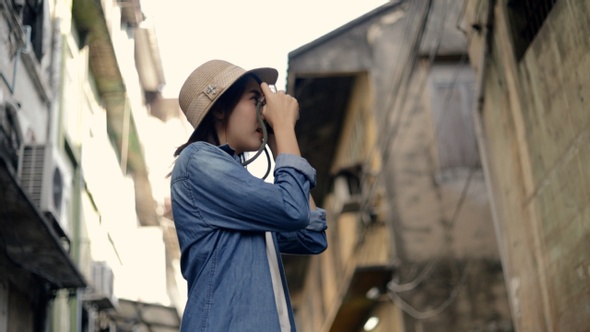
30, 240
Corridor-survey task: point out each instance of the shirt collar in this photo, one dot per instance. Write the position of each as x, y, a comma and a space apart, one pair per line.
229, 150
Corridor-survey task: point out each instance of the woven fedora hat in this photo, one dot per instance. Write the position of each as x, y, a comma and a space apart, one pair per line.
209, 81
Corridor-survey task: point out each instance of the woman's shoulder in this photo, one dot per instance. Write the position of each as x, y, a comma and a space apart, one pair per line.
198, 148
201, 160
203, 153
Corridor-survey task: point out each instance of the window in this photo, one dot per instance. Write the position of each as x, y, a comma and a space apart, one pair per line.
452, 96
33, 15
526, 18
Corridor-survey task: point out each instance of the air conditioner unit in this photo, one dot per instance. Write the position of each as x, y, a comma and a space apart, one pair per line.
44, 175
102, 279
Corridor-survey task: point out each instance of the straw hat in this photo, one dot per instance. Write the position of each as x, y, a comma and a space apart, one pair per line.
209, 81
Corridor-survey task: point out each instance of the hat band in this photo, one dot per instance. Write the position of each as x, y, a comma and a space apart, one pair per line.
222, 81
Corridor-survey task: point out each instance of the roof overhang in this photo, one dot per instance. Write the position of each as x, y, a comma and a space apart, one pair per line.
30, 239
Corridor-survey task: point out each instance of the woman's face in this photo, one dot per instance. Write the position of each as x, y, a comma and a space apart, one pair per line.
242, 131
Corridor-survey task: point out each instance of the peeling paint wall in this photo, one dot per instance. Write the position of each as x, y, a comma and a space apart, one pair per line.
536, 132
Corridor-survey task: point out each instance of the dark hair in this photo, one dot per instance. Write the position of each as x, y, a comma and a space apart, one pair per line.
226, 103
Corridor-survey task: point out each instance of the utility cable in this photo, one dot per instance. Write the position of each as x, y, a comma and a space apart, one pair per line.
421, 315
430, 267
390, 130
428, 314
427, 271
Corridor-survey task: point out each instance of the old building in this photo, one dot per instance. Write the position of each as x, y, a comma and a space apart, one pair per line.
385, 118
79, 227
531, 62
38, 250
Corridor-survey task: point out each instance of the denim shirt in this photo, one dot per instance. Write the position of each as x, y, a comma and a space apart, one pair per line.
221, 213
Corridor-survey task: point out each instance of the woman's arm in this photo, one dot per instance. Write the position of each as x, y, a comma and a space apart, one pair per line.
217, 190
308, 241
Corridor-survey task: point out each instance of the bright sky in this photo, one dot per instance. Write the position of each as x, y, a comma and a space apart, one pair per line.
254, 33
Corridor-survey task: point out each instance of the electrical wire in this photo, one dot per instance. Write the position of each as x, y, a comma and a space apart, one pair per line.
451, 224
421, 315
384, 125
427, 271
391, 133
392, 130
394, 289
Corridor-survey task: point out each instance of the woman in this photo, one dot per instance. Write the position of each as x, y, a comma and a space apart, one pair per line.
231, 225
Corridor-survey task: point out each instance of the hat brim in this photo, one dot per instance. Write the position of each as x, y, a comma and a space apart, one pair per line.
265, 74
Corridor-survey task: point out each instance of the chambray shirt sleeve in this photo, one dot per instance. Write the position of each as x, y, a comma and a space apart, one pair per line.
308, 241
225, 195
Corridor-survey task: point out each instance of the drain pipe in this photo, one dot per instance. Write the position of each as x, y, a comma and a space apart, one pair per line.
487, 30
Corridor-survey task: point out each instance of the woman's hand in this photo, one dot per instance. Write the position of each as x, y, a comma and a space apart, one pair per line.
281, 111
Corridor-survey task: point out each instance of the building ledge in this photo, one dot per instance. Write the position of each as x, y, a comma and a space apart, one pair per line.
32, 241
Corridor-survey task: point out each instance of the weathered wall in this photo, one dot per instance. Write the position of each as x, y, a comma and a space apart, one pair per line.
449, 276
24, 84
432, 219
537, 141
23, 81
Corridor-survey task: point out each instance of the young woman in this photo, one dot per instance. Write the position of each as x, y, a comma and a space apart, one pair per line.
232, 226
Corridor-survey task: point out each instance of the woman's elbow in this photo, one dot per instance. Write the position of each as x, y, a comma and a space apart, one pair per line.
319, 246
297, 218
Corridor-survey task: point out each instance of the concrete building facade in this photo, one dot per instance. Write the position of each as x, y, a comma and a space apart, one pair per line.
386, 104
